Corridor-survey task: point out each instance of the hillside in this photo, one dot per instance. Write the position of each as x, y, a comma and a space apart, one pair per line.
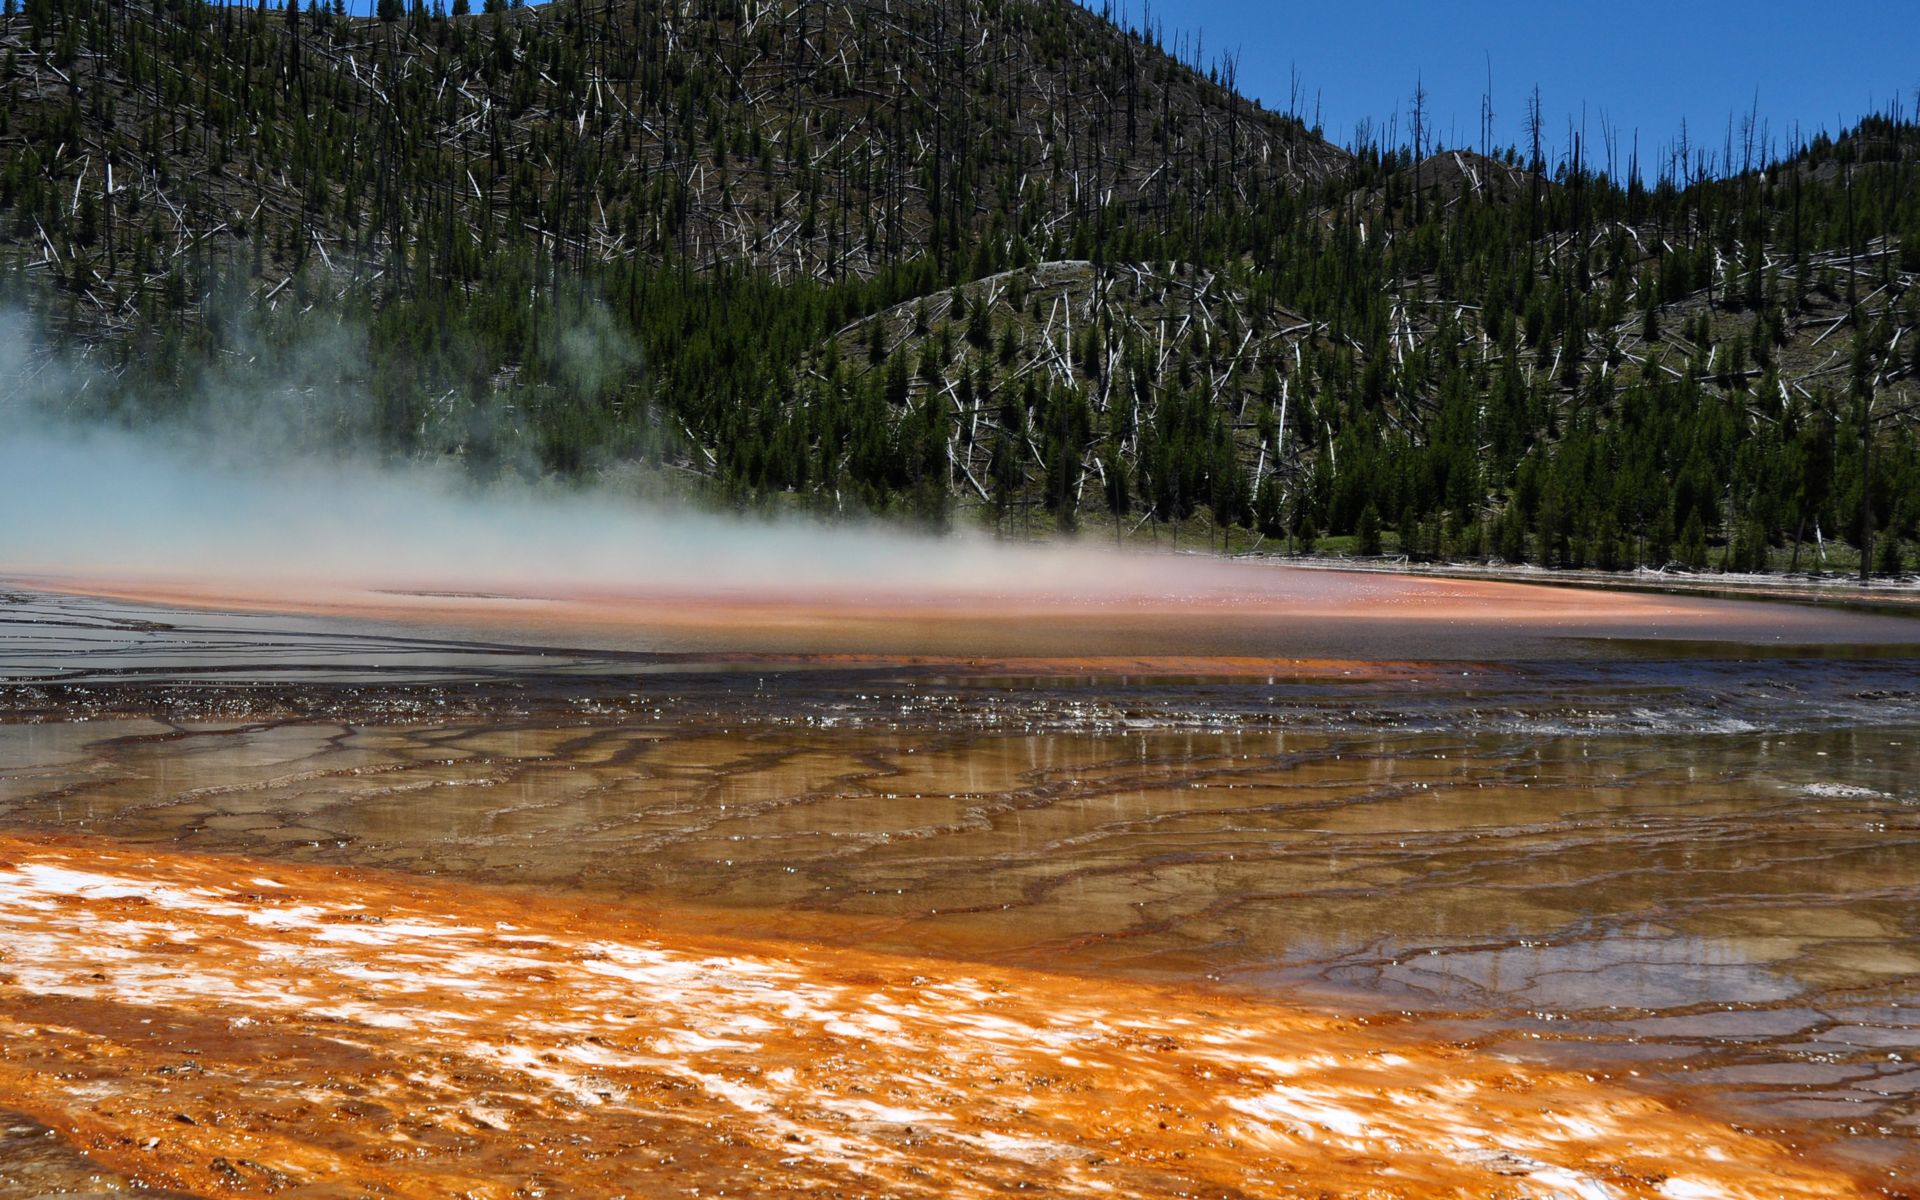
994, 260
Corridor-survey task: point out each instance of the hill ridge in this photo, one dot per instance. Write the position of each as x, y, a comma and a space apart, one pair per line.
589, 233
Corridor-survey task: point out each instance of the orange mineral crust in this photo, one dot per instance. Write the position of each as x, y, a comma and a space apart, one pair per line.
1145, 584
1125, 606
223, 1026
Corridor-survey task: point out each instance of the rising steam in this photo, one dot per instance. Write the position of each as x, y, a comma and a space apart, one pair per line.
259, 486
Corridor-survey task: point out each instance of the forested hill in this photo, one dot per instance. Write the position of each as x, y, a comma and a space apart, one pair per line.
994, 260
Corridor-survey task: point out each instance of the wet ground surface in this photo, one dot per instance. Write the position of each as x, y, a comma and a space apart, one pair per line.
1689, 868
1198, 610
35, 1160
312, 1032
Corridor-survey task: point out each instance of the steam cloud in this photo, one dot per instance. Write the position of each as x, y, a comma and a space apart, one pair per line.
252, 488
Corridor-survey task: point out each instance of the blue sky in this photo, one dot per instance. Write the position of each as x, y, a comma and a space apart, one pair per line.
1635, 63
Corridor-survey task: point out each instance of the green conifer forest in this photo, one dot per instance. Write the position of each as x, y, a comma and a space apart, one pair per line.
998, 262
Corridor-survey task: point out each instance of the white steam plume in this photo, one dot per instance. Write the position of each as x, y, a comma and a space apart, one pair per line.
249, 491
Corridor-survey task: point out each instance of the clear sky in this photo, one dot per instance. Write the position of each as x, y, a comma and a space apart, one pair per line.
1638, 63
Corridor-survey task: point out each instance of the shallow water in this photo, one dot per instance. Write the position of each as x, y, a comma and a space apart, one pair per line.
1690, 870
302, 1031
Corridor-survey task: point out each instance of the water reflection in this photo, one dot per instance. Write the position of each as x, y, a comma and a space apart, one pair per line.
1739, 908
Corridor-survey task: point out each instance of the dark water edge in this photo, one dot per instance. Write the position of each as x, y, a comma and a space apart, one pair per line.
37, 1163
1885, 596
1630, 694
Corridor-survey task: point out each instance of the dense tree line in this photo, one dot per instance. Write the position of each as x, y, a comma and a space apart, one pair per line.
1000, 256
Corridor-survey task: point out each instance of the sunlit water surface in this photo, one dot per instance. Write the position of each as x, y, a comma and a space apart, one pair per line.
1691, 866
